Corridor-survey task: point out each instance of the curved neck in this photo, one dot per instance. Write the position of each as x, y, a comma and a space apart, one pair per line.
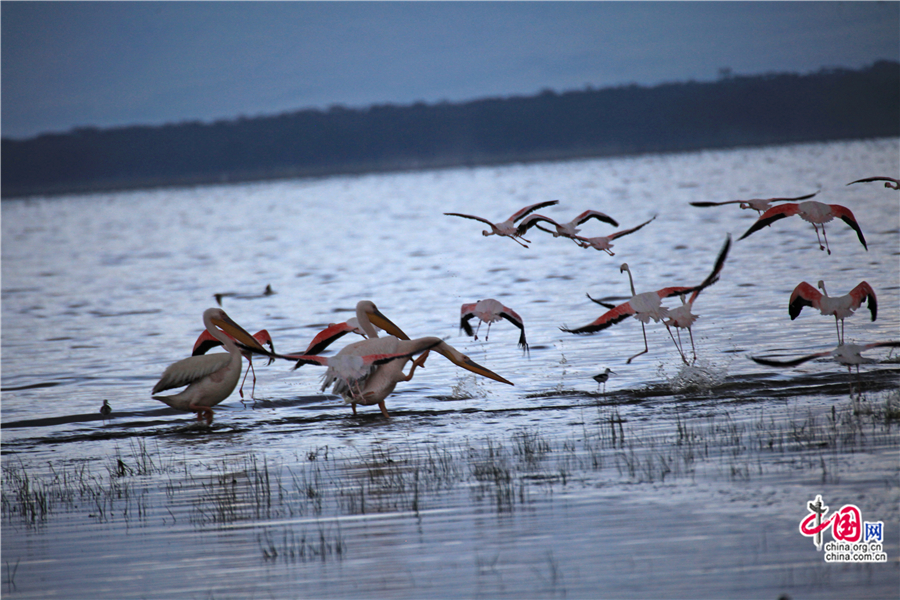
631, 281
220, 335
362, 318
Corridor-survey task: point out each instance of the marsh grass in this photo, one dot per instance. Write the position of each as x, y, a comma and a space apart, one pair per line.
502, 473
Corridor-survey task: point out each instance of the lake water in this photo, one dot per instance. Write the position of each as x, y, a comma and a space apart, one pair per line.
675, 482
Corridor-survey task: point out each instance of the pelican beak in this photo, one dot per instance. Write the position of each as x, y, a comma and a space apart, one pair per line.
470, 365
238, 333
382, 322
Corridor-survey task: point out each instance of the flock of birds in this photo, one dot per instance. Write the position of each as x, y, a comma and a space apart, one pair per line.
367, 371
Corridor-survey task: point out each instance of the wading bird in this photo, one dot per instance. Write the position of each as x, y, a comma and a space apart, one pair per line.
210, 378
889, 182
644, 306
569, 229
840, 307
849, 355
681, 316
760, 205
602, 378
205, 342
508, 228
490, 311
603, 242
367, 371
106, 409
813, 212
366, 323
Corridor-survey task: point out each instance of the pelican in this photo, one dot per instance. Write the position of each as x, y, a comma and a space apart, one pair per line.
210, 378
366, 372
507, 228
760, 205
366, 323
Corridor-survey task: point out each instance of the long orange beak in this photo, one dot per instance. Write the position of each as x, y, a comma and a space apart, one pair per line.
382, 322
239, 334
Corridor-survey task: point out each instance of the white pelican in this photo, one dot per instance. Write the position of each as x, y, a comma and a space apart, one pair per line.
760, 205
813, 212
490, 311
507, 228
210, 378
366, 372
603, 242
366, 323
840, 307
205, 342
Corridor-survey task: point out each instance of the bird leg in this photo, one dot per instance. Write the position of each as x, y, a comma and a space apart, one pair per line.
419, 362
677, 344
840, 330
253, 388
203, 412
384, 410
646, 347
821, 247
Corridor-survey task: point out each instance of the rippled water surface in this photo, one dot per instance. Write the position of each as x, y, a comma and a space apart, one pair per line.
671, 482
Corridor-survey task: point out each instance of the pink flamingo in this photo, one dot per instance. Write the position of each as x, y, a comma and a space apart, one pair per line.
569, 229
603, 242
760, 205
889, 182
840, 307
507, 228
813, 212
490, 311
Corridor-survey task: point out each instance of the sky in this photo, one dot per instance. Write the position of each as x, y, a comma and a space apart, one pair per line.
108, 64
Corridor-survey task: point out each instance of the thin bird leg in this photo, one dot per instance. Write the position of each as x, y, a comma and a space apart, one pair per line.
840, 330
252, 389
677, 344
825, 236
646, 347
608, 251
516, 239
693, 348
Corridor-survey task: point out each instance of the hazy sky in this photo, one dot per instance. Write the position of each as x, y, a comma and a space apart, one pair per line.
72, 64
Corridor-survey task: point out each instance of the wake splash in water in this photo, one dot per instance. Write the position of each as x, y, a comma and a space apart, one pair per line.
703, 376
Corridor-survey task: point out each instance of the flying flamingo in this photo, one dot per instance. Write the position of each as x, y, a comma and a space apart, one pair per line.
569, 229
760, 205
889, 182
508, 228
840, 307
644, 306
366, 372
205, 342
813, 212
209, 378
846, 354
681, 317
490, 311
603, 242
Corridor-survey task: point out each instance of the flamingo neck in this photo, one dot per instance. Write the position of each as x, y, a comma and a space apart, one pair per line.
630, 281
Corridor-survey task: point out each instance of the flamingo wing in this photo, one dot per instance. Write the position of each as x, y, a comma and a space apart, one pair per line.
464, 323
530, 209
533, 220
708, 204
600, 302
871, 179
863, 292
669, 292
264, 339
482, 219
594, 214
607, 319
788, 363
205, 342
803, 295
613, 236
717, 269
770, 216
327, 336
847, 217
514, 318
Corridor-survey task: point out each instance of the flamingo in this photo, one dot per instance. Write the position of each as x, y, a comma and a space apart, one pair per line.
603, 242
644, 306
813, 212
490, 311
889, 182
209, 378
840, 307
760, 205
681, 317
569, 229
366, 372
205, 342
846, 354
507, 228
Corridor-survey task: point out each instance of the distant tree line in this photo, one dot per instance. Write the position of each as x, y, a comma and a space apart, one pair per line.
734, 111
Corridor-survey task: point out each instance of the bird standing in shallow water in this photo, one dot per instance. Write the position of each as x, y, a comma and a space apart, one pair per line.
106, 409
210, 378
602, 378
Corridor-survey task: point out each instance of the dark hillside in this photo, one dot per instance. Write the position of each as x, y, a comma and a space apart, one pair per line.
736, 111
